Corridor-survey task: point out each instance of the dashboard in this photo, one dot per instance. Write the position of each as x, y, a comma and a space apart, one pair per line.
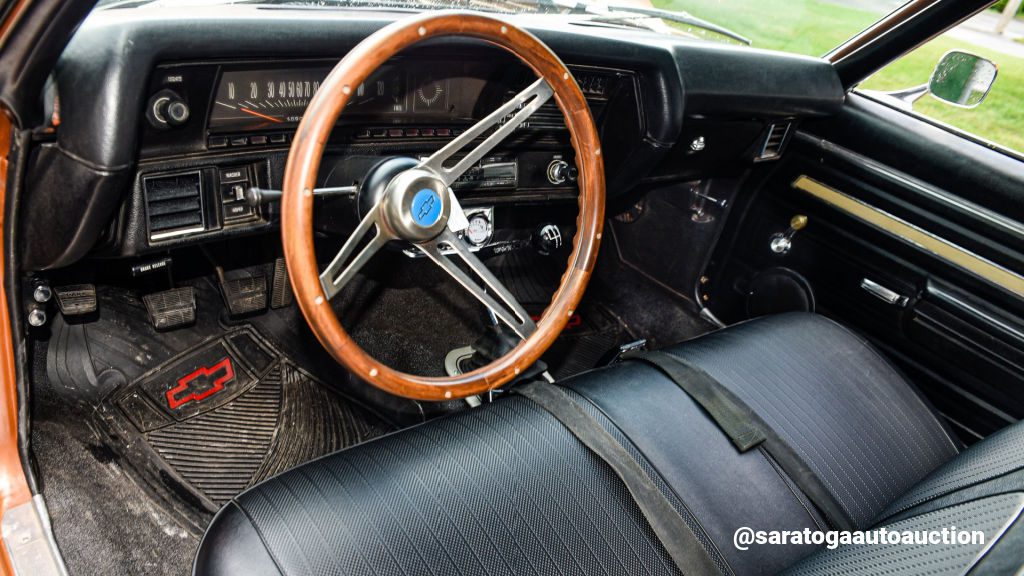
234, 121
163, 116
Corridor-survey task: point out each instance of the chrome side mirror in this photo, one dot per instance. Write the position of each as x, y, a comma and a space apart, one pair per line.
962, 79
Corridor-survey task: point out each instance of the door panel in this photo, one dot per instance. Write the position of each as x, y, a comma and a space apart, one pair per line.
930, 222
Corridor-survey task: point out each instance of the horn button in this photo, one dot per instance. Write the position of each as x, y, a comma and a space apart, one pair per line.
414, 204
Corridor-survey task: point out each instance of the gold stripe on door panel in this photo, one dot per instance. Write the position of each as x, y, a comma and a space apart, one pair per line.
908, 232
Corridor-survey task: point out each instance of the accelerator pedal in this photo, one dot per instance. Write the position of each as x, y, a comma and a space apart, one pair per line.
281, 292
244, 295
171, 308
76, 299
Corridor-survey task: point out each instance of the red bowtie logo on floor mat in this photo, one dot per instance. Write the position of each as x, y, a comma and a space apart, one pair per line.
217, 375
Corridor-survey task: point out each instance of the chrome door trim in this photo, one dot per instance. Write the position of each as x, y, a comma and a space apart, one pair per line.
989, 217
918, 237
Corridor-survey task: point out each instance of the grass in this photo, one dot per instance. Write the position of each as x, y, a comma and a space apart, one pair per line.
814, 27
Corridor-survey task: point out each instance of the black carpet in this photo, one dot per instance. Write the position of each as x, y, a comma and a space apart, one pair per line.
644, 308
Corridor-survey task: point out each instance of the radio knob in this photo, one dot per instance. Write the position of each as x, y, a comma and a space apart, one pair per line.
558, 172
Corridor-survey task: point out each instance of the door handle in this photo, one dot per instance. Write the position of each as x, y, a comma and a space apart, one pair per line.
884, 294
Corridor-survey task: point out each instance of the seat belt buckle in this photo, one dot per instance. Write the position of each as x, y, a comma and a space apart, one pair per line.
619, 354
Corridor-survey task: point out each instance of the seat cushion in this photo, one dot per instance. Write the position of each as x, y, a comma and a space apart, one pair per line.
981, 490
844, 408
502, 490
506, 489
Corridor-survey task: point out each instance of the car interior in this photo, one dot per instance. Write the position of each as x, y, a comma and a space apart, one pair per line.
497, 287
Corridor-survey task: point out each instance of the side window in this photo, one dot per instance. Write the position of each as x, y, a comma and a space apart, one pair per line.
970, 78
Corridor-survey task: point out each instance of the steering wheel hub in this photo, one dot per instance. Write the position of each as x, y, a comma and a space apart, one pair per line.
416, 205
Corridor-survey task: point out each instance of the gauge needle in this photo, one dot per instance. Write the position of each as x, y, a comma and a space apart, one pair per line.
264, 116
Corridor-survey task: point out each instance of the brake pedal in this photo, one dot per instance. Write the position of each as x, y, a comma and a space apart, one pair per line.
76, 299
244, 295
281, 291
171, 308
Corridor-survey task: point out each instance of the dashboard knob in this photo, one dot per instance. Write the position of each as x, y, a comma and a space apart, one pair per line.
559, 172
167, 109
176, 112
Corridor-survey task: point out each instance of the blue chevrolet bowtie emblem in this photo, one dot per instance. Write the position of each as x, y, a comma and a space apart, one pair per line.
426, 207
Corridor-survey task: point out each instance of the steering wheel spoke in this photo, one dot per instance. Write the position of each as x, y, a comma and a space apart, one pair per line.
507, 118
344, 267
508, 310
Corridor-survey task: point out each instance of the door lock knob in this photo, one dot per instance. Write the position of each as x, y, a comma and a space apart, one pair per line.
781, 242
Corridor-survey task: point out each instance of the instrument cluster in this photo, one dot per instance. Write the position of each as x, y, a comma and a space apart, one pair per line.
260, 98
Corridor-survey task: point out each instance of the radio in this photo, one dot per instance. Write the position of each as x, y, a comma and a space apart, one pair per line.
489, 174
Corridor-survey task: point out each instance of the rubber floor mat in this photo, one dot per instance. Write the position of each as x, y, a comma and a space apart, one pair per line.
138, 434
591, 334
227, 414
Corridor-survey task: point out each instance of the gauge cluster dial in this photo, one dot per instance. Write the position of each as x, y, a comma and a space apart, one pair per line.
481, 226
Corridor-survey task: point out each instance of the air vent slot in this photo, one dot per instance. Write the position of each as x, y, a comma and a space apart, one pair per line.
549, 116
774, 141
174, 205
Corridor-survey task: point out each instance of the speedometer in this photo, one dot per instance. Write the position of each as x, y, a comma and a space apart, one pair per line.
254, 99
262, 98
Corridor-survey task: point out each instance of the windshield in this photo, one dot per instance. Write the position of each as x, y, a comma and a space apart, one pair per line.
811, 27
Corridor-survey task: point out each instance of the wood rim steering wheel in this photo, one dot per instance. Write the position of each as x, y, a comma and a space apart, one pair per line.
418, 205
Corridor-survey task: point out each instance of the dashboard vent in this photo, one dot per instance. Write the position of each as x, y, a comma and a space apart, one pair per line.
547, 117
774, 141
174, 205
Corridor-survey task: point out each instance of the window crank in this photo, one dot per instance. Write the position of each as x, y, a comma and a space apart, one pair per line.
781, 242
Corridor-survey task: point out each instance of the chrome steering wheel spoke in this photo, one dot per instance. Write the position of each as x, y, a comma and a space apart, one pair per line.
508, 310
344, 267
507, 117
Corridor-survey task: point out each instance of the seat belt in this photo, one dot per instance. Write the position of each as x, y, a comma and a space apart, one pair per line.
675, 535
746, 429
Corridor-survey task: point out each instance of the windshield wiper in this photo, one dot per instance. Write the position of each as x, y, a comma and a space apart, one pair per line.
605, 10
681, 18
